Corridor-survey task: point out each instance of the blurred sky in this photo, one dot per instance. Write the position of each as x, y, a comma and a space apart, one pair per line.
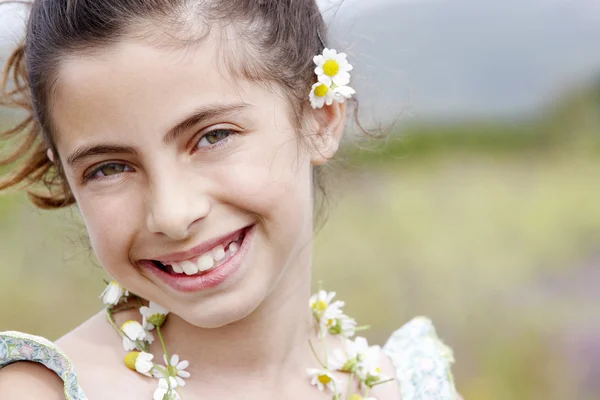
454, 58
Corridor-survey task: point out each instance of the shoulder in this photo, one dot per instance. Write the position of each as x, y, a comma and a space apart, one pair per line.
422, 362
29, 380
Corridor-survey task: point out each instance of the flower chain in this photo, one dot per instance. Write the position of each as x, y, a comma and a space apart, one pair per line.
358, 360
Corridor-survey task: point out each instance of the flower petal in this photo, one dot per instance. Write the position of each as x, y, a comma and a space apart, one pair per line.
174, 359
183, 365
183, 374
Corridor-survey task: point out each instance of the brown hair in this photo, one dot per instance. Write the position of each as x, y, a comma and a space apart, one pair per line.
285, 33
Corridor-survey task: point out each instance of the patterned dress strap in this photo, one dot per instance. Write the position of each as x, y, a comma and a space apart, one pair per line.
18, 346
422, 362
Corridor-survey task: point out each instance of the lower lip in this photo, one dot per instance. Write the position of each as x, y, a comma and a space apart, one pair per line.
210, 279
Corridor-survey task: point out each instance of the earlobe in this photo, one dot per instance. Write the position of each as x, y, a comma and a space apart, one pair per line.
326, 141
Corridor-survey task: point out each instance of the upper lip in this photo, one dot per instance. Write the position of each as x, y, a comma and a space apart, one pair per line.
200, 249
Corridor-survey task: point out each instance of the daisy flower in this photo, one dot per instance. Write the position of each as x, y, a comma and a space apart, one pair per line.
164, 392
133, 332
322, 379
113, 294
342, 325
154, 315
140, 362
341, 93
332, 68
175, 369
320, 95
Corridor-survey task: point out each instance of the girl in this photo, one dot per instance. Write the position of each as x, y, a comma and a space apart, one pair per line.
190, 135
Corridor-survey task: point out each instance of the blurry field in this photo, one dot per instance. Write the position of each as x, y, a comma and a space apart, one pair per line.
493, 232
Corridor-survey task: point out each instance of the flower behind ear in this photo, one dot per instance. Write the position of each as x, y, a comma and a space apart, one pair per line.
333, 76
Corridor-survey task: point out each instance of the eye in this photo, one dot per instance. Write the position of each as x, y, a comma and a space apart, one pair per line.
214, 137
107, 170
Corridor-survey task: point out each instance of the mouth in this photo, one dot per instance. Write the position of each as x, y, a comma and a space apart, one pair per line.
218, 261
208, 260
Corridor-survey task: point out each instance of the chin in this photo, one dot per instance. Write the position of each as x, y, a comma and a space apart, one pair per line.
223, 310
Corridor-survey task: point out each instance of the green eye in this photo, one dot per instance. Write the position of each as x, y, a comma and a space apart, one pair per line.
214, 137
112, 169
106, 170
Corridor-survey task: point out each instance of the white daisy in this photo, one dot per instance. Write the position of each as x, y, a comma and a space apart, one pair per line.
133, 331
144, 364
154, 315
341, 93
332, 68
319, 301
329, 318
322, 379
164, 392
113, 294
140, 362
320, 95
175, 369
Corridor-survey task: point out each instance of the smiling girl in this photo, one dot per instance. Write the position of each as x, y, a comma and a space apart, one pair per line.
190, 136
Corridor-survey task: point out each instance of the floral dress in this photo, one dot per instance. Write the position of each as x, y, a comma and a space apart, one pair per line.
421, 360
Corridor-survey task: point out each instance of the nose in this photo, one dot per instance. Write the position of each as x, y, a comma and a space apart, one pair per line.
175, 206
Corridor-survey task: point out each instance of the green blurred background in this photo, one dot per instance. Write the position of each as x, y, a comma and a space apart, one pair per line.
486, 220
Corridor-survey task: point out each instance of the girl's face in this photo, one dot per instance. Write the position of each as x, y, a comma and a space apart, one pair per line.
172, 159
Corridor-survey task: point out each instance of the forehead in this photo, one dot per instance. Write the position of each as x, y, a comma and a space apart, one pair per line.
136, 86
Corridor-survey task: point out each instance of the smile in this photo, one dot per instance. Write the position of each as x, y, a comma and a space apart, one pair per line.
205, 266
213, 258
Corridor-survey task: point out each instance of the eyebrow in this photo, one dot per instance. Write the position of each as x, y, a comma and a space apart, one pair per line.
198, 116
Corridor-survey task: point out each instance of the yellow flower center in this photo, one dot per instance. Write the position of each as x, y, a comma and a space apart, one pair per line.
331, 68
131, 358
330, 322
321, 91
324, 379
356, 397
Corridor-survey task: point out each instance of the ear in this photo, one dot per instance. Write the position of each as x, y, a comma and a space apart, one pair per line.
330, 121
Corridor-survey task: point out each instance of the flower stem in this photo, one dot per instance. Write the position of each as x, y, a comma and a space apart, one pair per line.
112, 321
381, 382
325, 348
362, 328
162, 342
315, 353
350, 379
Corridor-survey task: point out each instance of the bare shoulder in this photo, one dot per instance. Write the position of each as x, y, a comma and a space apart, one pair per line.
92, 346
96, 351
30, 381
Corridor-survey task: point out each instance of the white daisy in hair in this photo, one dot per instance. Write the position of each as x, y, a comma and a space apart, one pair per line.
332, 68
341, 93
321, 95
322, 379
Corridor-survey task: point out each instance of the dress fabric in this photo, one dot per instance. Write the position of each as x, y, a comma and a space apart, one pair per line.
421, 360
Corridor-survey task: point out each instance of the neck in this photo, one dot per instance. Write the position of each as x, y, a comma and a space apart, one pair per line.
272, 339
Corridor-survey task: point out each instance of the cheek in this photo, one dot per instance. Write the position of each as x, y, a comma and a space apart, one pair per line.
275, 186
111, 221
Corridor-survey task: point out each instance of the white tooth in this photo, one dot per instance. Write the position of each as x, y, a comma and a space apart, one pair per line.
219, 253
189, 267
233, 247
177, 267
205, 262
